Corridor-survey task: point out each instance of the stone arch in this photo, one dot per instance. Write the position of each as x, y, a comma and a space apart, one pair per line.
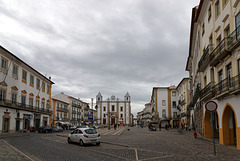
229, 126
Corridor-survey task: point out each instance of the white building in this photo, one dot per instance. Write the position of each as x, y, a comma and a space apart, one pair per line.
75, 108
113, 110
164, 101
25, 95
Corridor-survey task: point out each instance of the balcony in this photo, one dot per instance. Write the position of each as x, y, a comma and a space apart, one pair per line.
76, 105
234, 39
182, 102
74, 112
183, 114
205, 59
220, 52
62, 109
227, 86
207, 92
145, 113
21, 106
79, 113
194, 98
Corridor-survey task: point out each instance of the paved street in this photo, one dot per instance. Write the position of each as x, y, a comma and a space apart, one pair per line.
121, 144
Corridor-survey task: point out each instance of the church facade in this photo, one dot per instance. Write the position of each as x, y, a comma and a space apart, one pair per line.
113, 110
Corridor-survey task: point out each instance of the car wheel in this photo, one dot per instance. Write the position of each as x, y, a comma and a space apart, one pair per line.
69, 141
98, 143
81, 142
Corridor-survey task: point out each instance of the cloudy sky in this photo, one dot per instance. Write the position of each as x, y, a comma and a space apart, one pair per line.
111, 46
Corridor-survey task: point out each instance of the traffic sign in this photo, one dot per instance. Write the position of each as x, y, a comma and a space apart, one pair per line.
211, 106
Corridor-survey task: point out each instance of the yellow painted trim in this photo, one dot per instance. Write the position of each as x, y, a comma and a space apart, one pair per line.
225, 137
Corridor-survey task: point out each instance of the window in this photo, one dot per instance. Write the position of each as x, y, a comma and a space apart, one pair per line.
48, 89
47, 105
31, 80
163, 113
23, 100
227, 31
174, 105
113, 108
174, 114
24, 76
163, 102
104, 115
229, 75
174, 93
104, 108
15, 71
218, 40
121, 109
4, 63
217, 8
37, 103
203, 29
38, 83
210, 41
209, 13
43, 86
205, 81
121, 115
2, 94
224, 2
30, 102
238, 66
43, 105
237, 23
14, 97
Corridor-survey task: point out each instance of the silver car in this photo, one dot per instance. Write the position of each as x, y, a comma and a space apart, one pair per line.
84, 136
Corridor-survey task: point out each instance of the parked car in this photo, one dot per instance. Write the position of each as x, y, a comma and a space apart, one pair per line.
57, 129
96, 126
73, 127
83, 126
45, 129
84, 136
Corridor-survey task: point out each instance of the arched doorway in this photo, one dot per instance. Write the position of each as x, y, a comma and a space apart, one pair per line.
229, 126
208, 125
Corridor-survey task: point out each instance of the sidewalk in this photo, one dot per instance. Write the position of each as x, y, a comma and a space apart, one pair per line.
16, 134
9, 153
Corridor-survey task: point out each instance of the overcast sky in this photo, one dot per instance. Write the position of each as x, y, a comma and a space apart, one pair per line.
111, 46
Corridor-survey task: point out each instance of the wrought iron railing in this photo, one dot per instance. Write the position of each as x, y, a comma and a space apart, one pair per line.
23, 106
205, 57
206, 90
234, 38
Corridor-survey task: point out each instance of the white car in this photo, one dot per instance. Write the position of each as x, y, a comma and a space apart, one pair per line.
84, 136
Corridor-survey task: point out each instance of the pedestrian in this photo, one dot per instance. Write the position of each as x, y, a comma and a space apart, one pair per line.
115, 126
189, 128
182, 126
159, 127
166, 126
149, 127
186, 127
195, 134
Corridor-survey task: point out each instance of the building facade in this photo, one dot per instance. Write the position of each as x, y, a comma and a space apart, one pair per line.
25, 95
164, 103
214, 68
183, 92
147, 114
76, 108
113, 110
60, 115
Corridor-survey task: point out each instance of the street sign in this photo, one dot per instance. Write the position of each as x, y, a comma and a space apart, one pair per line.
90, 115
211, 106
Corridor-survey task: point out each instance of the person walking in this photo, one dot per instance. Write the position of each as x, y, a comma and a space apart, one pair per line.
159, 127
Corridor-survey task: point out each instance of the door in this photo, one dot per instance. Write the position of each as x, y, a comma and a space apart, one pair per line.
37, 124
17, 125
6, 125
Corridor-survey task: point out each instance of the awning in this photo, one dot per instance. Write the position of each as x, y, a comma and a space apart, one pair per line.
63, 123
68, 123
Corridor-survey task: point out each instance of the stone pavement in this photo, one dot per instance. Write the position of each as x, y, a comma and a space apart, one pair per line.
9, 153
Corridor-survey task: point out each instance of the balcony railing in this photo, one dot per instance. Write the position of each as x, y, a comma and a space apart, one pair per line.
194, 98
207, 92
204, 61
22, 106
62, 109
234, 39
183, 114
76, 105
74, 112
79, 113
227, 86
220, 52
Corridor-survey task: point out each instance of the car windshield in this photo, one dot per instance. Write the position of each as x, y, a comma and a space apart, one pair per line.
91, 131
